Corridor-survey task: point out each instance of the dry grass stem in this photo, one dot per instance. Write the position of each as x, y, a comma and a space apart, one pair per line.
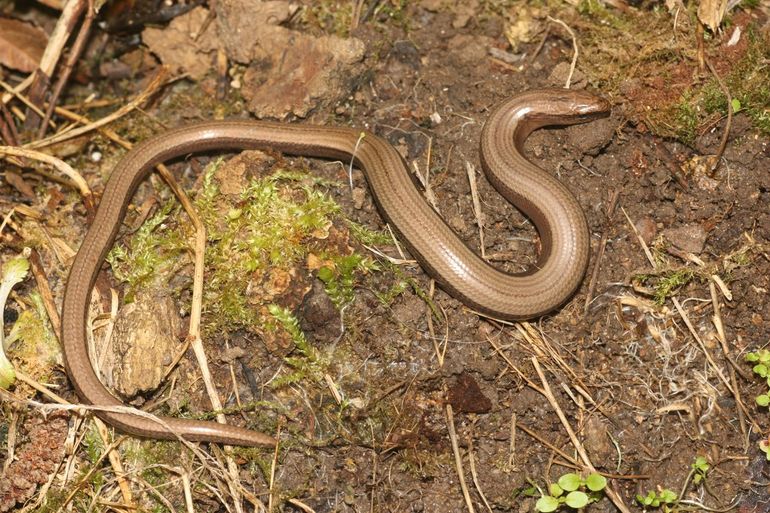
476, 206
512, 444
153, 86
614, 497
474, 475
575, 50
646, 249
728, 125
58, 164
458, 458
116, 463
592, 282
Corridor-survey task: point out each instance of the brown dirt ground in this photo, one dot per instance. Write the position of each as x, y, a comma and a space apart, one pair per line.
633, 382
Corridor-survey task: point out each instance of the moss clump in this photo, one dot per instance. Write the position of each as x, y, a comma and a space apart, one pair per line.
748, 84
666, 283
257, 242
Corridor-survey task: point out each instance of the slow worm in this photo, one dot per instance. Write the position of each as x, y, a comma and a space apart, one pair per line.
552, 208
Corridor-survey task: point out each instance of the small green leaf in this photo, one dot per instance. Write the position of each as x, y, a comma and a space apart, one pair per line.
555, 490
596, 482
761, 370
736, 104
546, 504
570, 482
576, 500
751, 357
667, 496
763, 400
764, 356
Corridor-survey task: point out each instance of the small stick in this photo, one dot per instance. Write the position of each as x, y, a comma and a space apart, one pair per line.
271, 485
728, 125
600, 251
154, 84
74, 55
476, 205
540, 45
458, 458
38, 271
117, 465
512, 444
614, 497
574, 49
9, 132
471, 461
53, 51
59, 164
646, 249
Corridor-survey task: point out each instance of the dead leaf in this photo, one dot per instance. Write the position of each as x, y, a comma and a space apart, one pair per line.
711, 12
21, 45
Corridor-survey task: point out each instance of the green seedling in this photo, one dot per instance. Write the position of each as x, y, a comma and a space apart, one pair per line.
664, 499
700, 468
761, 361
572, 491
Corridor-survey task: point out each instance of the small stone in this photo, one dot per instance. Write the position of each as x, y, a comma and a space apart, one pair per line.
647, 229
690, 238
359, 197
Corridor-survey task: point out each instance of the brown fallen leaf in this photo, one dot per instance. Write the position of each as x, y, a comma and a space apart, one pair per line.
711, 12
21, 45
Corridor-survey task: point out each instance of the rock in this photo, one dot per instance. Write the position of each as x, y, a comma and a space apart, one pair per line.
239, 23
319, 317
592, 137
647, 229
288, 73
179, 45
144, 340
293, 73
597, 443
560, 72
690, 238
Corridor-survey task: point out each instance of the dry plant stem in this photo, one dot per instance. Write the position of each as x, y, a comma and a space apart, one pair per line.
614, 497
13, 92
117, 465
540, 46
474, 475
646, 249
66, 23
153, 86
38, 271
717, 320
193, 336
23, 99
727, 384
301, 505
62, 166
515, 369
729, 124
273, 465
476, 206
458, 458
9, 132
600, 251
575, 50
74, 55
